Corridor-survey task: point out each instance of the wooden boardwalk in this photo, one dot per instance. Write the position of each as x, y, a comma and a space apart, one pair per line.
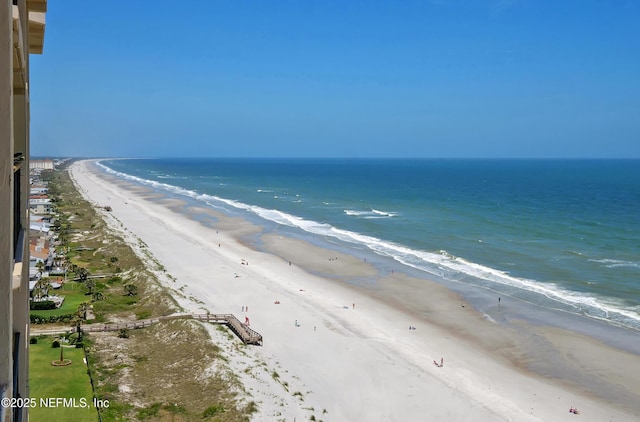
243, 331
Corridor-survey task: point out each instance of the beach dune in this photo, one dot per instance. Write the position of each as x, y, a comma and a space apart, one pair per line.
335, 350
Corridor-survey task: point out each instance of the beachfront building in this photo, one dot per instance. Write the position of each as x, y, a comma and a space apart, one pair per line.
46, 164
22, 25
40, 206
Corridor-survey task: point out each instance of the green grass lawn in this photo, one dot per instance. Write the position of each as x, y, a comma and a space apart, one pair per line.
74, 295
47, 381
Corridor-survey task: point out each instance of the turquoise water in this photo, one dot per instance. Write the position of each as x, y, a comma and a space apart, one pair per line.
563, 234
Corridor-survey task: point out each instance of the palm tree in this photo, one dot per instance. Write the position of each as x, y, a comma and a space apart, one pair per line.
83, 274
90, 285
82, 309
40, 266
41, 288
66, 269
78, 324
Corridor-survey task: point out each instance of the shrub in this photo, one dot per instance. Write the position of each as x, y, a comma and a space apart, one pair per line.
130, 289
175, 408
252, 407
143, 314
149, 411
114, 279
51, 319
212, 410
123, 333
43, 305
33, 340
55, 344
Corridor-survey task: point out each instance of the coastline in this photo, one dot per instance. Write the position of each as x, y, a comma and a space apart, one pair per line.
361, 362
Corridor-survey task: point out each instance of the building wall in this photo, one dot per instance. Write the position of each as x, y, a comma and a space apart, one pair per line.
41, 164
6, 199
40, 206
14, 194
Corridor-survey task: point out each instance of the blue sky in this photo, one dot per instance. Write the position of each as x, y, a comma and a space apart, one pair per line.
476, 78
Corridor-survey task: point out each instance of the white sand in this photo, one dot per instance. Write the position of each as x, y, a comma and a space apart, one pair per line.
361, 364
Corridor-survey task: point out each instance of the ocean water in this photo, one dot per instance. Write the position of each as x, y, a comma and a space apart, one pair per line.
559, 234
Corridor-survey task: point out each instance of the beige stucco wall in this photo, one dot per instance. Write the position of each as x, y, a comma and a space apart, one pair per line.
14, 137
6, 199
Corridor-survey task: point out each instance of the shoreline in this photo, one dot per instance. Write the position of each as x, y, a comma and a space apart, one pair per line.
485, 373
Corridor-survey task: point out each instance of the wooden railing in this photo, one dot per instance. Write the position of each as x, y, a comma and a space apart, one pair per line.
243, 331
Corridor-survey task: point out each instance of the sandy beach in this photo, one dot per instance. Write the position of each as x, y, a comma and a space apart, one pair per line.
345, 353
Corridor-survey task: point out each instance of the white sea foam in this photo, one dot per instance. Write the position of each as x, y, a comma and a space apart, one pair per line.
488, 318
615, 263
384, 213
372, 213
357, 213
